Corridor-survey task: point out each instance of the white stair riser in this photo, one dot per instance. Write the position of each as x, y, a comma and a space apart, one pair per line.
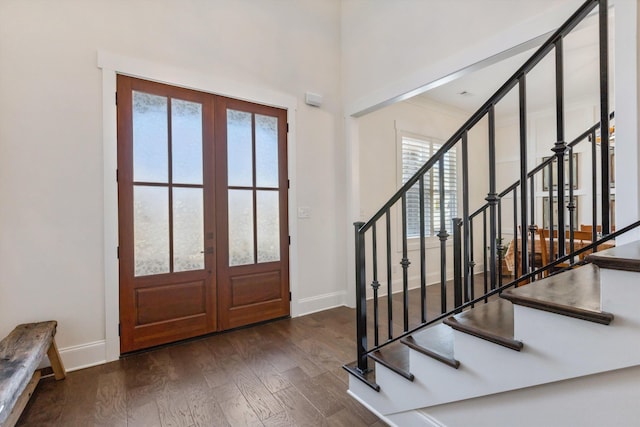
620, 293
556, 348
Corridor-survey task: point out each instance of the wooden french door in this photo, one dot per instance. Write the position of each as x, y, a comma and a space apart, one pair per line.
202, 195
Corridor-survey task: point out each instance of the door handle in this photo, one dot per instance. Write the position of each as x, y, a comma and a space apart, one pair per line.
208, 250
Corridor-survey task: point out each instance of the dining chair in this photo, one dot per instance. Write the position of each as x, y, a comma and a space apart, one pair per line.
578, 237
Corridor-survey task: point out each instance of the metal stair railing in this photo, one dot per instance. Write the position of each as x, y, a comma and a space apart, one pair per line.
371, 251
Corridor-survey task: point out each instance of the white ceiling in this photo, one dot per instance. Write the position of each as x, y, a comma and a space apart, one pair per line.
581, 73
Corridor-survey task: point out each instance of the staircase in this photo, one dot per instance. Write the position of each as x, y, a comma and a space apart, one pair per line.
560, 351
569, 343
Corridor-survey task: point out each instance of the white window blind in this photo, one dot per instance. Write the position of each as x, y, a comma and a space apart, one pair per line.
415, 153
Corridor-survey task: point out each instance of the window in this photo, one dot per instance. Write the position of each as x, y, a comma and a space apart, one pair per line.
415, 153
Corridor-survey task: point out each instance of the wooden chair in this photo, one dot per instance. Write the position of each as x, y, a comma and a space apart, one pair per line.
578, 237
589, 228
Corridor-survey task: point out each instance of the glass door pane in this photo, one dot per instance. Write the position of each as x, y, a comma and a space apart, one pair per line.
253, 188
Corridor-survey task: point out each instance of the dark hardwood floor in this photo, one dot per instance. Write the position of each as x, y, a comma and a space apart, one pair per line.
284, 373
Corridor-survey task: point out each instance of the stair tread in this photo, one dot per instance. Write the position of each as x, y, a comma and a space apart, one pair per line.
436, 342
574, 293
492, 321
625, 257
395, 357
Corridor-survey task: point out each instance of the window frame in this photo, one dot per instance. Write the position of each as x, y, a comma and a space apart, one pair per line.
413, 242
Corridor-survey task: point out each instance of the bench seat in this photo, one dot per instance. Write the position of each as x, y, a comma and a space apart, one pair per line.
20, 355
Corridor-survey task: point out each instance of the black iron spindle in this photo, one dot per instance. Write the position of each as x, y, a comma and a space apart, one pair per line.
443, 235
423, 272
374, 283
500, 248
560, 147
457, 261
492, 198
472, 263
594, 187
484, 253
389, 278
361, 299
515, 234
522, 97
467, 269
405, 265
533, 228
550, 214
571, 206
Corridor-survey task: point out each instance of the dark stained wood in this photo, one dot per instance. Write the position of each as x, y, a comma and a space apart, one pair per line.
492, 322
574, 293
162, 308
395, 357
435, 342
625, 257
243, 299
260, 376
299, 409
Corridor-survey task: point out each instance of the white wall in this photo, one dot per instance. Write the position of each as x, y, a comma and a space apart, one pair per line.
51, 146
392, 48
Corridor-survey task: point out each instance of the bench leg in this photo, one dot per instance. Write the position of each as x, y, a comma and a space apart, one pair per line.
22, 401
56, 362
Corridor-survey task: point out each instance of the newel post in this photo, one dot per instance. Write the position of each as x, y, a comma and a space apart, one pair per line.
361, 299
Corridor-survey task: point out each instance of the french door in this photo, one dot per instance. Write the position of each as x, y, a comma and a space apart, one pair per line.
202, 195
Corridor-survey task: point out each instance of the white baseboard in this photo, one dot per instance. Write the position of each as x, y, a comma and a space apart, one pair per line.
83, 356
318, 303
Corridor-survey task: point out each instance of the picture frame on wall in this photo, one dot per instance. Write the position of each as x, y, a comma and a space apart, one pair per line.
545, 213
554, 173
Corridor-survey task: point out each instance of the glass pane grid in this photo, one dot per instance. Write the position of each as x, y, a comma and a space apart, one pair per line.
253, 188
168, 231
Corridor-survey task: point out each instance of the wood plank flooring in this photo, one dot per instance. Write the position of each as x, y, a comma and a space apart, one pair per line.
284, 373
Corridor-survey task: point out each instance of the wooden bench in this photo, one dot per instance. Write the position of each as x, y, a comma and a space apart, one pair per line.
20, 355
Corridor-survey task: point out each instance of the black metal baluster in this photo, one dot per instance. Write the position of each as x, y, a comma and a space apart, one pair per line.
457, 262
500, 247
472, 262
522, 97
468, 270
594, 188
550, 215
443, 235
571, 207
389, 277
484, 254
361, 299
374, 283
423, 272
560, 147
492, 197
515, 235
405, 265
533, 228
604, 115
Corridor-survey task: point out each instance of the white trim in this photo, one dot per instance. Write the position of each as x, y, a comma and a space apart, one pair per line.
111, 64
321, 302
83, 356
